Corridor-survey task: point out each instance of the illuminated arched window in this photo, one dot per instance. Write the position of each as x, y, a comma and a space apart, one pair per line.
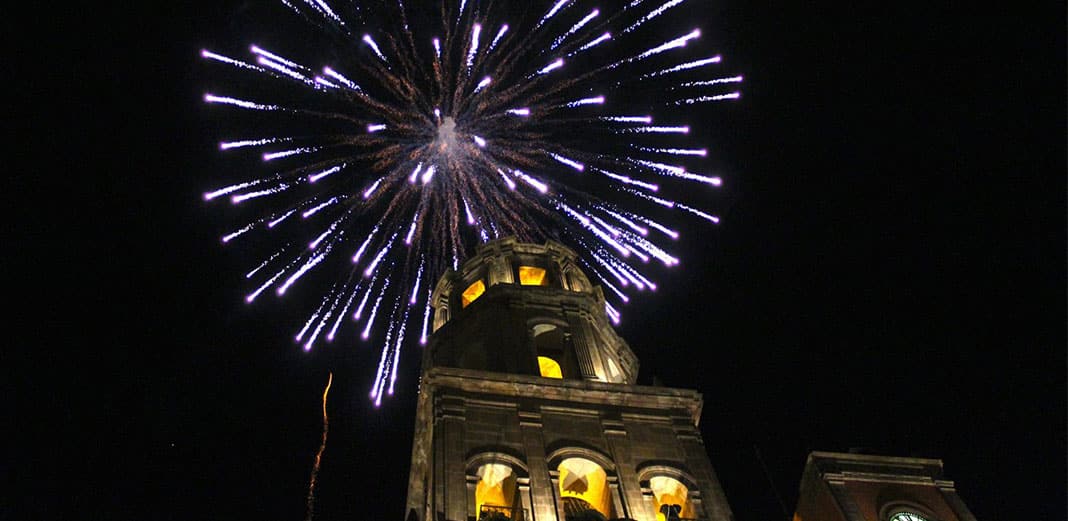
549, 368
670, 496
531, 276
551, 348
907, 516
475, 290
495, 491
584, 486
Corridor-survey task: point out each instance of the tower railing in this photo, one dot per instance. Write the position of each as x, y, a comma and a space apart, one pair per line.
501, 513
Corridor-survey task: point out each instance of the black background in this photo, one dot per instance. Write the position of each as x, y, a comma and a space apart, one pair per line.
889, 273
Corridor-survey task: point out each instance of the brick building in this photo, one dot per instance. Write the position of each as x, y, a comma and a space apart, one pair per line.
861, 487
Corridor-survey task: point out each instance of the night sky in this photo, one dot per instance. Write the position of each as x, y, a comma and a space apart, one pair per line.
889, 274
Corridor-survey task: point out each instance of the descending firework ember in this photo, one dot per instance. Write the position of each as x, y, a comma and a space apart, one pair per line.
438, 129
319, 453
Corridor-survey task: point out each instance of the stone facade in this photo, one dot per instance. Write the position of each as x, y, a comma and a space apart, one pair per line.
587, 440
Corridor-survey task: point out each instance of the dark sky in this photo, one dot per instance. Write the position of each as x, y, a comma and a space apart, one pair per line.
889, 275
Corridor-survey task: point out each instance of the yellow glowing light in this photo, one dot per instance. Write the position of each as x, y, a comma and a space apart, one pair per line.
549, 368
496, 486
531, 276
585, 480
669, 491
475, 290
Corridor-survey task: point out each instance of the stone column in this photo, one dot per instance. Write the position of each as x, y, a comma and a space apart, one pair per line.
713, 499
524, 496
449, 452
629, 490
580, 342
542, 503
421, 450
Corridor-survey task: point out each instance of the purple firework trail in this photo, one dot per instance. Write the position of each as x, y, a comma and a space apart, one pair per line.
416, 145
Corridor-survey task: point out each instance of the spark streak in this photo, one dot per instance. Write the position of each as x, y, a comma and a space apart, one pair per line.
374, 46
703, 99
474, 45
211, 98
683, 67
315, 177
252, 143
560, 39
552, 66
500, 34
600, 39
596, 100
318, 454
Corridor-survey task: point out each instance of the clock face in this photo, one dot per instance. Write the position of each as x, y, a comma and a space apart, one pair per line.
907, 516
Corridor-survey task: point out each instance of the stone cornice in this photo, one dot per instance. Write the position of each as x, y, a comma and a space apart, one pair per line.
661, 399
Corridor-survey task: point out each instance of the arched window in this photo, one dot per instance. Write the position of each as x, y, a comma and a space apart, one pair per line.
441, 316
668, 487
584, 487
475, 290
497, 486
495, 491
907, 516
671, 499
551, 346
904, 510
549, 368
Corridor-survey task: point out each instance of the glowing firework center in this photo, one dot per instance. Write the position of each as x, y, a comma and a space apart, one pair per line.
446, 141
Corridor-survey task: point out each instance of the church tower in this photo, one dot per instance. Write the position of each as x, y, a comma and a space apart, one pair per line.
528, 408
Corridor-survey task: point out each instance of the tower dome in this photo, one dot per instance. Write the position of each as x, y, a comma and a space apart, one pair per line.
526, 309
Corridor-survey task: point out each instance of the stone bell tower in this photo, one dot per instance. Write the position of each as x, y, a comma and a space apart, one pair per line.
528, 408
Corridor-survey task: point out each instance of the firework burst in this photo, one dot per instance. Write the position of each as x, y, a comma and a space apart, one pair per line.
450, 126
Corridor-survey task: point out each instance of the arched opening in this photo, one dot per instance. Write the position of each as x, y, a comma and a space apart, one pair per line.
584, 487
533, 276
441, 316
904, 510
551, 344
495, 493
549, 368
475, 290
671, 499
907, 516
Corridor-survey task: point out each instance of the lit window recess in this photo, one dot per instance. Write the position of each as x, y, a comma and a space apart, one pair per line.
549, 368
583, 486
471, 294
496, 488
531, 276
670, 497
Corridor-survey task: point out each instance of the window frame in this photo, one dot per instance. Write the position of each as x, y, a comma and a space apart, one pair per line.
552, 277
896, 507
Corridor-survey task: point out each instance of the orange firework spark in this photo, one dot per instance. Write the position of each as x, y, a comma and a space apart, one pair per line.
319, 454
